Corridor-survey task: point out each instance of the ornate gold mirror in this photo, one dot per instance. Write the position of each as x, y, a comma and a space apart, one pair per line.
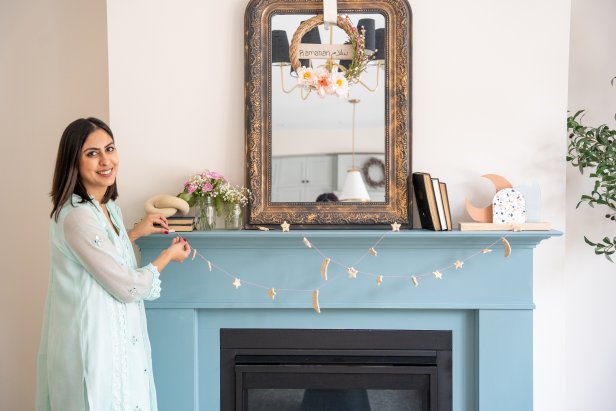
308, 152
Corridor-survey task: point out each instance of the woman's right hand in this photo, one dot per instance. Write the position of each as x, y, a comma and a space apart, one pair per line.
179, 250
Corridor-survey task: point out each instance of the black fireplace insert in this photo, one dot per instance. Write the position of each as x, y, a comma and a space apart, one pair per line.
341, 370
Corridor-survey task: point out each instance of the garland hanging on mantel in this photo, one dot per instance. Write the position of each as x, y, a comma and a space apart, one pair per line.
415, 279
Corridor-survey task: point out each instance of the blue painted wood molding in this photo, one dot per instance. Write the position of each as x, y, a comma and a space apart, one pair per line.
488, 303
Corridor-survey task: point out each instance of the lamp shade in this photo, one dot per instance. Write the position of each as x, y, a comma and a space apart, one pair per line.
368, 25
312, 37
280, 47
379, 36
354, 188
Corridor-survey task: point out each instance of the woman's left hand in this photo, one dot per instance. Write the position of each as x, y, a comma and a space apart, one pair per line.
149, 224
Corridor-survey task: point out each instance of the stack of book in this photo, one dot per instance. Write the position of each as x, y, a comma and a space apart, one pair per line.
181, 223
432, 202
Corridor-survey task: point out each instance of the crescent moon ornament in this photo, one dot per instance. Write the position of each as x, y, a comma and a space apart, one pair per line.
315, 301
507, 246
324, 268
484, 215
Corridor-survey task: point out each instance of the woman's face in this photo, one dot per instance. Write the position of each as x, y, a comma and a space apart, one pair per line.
98, 163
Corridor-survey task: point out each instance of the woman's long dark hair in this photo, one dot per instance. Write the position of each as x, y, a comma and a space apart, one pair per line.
66, 181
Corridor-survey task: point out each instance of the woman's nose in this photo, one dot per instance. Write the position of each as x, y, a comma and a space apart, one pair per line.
103, 158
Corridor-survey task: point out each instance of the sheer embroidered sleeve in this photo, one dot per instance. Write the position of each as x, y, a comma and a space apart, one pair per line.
87, 239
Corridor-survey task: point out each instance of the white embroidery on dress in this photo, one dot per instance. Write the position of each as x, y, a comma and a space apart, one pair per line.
123, 351
115, 356
97, 240
155, 289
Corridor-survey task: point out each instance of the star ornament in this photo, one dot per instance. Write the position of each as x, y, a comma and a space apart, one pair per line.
237, 283
395, 226
271, 293
458, 264
352, 272
438, 275
285, 226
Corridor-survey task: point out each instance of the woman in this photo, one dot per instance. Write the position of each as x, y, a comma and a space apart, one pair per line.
95, 351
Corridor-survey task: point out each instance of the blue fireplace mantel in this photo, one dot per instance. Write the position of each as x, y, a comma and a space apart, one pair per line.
487, 304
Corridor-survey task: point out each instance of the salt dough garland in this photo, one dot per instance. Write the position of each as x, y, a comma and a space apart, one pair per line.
166, 205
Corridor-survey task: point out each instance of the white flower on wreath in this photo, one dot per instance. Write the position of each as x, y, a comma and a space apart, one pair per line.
306, 77
340, 85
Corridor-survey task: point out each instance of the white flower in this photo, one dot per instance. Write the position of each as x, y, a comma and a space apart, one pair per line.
339, 84
306, 76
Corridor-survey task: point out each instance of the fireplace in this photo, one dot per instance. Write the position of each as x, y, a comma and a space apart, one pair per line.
486, 308
341, 370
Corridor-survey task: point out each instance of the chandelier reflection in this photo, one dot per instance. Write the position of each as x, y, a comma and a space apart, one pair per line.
329, 75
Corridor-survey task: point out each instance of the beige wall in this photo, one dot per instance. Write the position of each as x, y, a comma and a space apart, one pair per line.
53, 69
591, 280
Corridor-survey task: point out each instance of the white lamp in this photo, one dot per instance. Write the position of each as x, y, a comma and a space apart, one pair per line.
354, 188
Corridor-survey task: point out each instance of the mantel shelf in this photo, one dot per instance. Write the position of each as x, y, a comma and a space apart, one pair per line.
332, 238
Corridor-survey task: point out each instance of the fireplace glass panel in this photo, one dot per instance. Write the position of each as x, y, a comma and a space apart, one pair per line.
334, 400
334, 388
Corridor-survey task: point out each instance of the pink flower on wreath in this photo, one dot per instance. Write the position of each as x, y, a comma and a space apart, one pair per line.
324, 82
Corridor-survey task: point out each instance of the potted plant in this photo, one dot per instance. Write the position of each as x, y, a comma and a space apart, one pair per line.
594, 149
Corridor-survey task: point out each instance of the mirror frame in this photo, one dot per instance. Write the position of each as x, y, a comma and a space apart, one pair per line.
257, 51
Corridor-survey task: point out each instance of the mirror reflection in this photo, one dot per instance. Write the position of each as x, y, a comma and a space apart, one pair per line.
327, 148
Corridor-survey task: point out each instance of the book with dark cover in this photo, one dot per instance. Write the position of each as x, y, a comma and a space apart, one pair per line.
445, 198
426, 201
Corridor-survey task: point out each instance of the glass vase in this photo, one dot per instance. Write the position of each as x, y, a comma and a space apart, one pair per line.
233, 216
205, 214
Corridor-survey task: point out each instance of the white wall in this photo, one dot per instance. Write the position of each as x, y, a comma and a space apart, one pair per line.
591, 280
53, 69
490, 96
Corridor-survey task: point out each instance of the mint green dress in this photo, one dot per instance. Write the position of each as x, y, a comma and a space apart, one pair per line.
95, 352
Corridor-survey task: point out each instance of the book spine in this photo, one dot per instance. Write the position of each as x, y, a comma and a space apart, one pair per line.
426, 202
445, 197
439, 204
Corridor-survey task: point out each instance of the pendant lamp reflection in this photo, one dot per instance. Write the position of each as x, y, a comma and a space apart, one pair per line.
354, 188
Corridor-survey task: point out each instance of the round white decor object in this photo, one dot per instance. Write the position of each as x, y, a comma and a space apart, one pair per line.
508, 206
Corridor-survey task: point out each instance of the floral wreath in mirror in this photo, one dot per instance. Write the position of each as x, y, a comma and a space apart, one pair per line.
331, 78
